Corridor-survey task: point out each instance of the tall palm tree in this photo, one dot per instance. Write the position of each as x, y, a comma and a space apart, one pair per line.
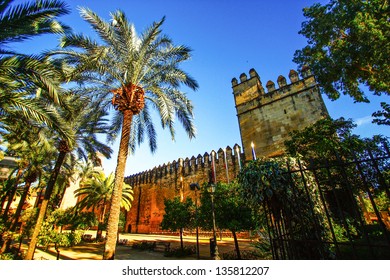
86, 122
96, 192
135, 73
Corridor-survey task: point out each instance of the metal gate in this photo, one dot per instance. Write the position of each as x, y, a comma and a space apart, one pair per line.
338, 208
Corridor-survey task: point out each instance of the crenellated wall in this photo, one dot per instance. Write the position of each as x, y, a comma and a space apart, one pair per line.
267, 117
166, 181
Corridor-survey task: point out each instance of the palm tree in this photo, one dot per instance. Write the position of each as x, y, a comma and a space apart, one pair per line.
38, 153
28, 82
86, 122
34, 150
136, 73
96, 192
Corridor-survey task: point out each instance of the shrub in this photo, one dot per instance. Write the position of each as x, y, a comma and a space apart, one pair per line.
178, 252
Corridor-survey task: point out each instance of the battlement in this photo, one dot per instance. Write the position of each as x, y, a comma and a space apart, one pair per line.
250, 93
173, 179
267, 116
183, 169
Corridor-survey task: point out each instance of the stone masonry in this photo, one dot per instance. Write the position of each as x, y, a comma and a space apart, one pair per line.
267, 118
152, 187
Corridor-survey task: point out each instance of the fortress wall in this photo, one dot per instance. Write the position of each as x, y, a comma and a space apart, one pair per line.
266, 117
166, 181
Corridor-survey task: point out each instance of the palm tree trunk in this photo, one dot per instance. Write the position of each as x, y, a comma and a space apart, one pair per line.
99, 231
29, 180
20, 205
236, 245
113, 218
181, 240
12, 194
45, 203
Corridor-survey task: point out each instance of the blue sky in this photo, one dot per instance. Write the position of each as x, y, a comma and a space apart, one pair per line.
228, 38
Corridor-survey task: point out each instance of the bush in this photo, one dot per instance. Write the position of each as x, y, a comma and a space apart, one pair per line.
245, 255
178, 252
144, 245
13, 254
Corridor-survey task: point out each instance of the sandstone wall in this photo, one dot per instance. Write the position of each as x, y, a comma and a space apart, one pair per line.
152, 187
267, 118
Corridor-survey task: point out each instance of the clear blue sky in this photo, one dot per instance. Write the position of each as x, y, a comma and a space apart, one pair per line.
228, 38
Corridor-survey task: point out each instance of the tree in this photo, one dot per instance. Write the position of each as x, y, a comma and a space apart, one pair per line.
231, 211
333, 141
33, 146
382, 117
135, 73
59, 218
178, 215
86, 122
352, 173
96, 193
348, 46
323, 139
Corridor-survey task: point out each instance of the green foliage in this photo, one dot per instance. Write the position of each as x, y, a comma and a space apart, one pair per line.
280, 198
96, 192
323, 139
73, 219
331, 142
348, 46
263, 245
342, 232
178, 214
29, 218
7, 256
382, 117
61, 239
231, 211
381, 200
179, 252
26, 78
261, 180
49, 233
144, 245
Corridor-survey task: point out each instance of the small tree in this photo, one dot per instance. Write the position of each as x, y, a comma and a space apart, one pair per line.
96, 193
51, 233
178, 215
231, 211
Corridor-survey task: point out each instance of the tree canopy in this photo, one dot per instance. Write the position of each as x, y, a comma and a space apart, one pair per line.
348, 47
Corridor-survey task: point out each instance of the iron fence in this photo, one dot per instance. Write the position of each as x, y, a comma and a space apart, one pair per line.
338, 208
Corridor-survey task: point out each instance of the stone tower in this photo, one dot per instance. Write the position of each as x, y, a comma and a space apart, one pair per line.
266, 117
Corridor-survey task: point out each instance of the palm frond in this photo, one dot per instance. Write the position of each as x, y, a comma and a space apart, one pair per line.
23, 21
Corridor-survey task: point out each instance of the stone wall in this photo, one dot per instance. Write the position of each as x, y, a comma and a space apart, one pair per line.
152, 187
267, 118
